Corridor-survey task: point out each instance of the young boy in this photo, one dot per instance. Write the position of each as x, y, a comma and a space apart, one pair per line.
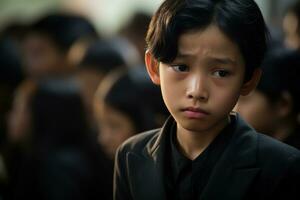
204, 54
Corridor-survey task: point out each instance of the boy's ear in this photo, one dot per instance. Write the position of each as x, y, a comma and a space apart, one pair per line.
152, 68
252, 83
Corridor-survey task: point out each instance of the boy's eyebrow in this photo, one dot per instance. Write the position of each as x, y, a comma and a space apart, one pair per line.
225, 61
220, 60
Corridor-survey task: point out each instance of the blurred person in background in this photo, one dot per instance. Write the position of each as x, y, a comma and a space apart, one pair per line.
291, 26
119, 111
273, 108
101, 57
59, 158
48, 42
11, 76
135, 32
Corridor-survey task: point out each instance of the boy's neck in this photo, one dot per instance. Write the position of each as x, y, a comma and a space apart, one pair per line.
192, 144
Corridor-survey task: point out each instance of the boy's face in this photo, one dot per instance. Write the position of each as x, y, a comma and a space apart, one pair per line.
201, 86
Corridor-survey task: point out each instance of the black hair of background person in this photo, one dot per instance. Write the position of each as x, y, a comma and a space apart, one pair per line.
136, 29
137, 26
237, 24
11, 75
133, 97
151, 94
54, 117
64, 29
281, 69
280, 72
65, 160
102, 56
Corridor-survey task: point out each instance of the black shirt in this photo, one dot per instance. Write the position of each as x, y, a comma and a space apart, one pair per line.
187, 178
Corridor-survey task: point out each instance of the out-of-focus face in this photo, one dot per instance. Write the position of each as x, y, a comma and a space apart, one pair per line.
114, 127
89, 80
201, 86
258, 112
41, 56
19, 118
290, 29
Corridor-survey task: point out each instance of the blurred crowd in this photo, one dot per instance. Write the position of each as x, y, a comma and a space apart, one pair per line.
69, 97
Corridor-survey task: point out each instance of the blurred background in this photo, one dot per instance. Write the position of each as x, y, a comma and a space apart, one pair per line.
109, 15
71, 72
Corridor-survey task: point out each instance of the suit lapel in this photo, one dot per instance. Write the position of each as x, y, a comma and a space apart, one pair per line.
147, 178
235, 171
147, 169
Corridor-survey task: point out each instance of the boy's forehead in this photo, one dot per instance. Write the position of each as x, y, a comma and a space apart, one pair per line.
210, 42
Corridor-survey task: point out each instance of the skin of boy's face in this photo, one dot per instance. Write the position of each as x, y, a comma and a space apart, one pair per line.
202, 85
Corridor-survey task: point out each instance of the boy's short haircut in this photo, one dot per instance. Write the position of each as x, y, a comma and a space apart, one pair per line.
240, 20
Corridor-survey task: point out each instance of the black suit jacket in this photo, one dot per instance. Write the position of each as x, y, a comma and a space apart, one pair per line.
253, 166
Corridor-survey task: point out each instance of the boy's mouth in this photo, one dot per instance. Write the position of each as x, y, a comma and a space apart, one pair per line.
194, 113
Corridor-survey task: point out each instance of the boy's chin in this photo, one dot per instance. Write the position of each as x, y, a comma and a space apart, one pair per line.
195, 126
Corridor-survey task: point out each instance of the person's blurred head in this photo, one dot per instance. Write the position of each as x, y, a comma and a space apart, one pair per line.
48, 41
11, 75
50, 111
99, 59
274, 103
135, 31
58, 115
121, 109
291, 26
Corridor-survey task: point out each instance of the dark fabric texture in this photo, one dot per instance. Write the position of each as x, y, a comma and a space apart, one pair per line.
253, 166
189, 177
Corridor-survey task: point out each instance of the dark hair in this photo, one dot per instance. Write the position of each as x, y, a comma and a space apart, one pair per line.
102, 56
10, 63
64, 29
124, 93
281, 69
240, 20
137, 25
58, 113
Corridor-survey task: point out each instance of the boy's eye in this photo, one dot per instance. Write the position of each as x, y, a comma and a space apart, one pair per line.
221, 73
180, 68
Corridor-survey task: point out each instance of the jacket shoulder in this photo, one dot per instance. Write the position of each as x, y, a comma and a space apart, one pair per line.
275, 148
138, 142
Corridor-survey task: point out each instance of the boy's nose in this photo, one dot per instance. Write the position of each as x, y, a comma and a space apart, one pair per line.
197, 89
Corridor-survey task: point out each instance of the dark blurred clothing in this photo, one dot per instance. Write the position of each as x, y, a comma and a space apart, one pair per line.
68, 173
62, 159
294, 138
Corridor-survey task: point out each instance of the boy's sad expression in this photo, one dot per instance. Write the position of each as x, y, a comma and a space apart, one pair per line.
202, 85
